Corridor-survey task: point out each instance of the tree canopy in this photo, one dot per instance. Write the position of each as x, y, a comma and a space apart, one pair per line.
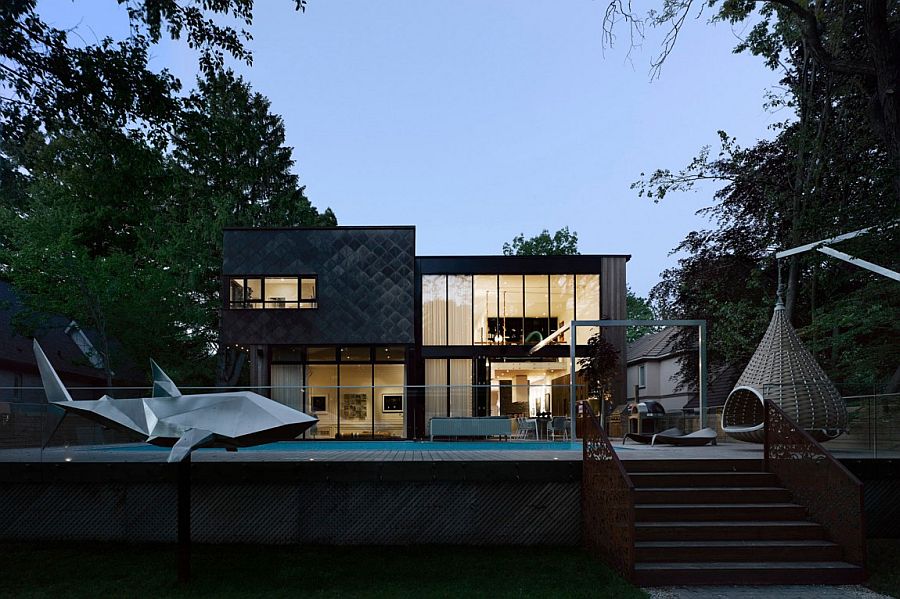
561, 243
855, 44
116, 189
828, 170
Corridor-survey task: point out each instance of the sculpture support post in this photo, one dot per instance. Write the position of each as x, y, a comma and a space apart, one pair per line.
184, 520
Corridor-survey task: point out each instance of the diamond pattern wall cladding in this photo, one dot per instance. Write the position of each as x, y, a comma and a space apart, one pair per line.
365, 289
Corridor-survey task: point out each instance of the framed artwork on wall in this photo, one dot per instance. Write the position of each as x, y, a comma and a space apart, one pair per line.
392, 402
353, 406
319, 403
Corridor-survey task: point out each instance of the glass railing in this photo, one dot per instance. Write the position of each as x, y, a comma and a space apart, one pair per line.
394, 412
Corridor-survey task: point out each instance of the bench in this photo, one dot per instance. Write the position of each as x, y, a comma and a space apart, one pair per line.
488, 426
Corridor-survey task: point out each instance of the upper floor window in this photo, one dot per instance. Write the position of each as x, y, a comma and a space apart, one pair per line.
507, 309
642, 376
272, 292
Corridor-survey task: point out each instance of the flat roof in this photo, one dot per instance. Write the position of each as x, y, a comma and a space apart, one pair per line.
337, 228
519, 257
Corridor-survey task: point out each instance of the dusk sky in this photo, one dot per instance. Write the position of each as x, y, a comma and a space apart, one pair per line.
476, 120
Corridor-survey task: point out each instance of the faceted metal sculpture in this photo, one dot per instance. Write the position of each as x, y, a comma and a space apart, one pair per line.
184, 422
782, 370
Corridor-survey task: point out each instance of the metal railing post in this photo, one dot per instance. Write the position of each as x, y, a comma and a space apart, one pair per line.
572, 416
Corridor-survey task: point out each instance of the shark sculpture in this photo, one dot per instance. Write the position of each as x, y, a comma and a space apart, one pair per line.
184, 422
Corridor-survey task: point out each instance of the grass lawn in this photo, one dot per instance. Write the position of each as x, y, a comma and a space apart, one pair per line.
884, 566
101, 570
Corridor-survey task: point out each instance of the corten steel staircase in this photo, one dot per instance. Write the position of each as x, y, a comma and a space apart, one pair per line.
792, 518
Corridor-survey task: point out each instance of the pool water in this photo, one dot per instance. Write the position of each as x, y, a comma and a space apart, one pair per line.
386, 446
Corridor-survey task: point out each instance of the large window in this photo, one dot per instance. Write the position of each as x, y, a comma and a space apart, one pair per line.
506, 309
512, 298
354, 391
538, 323
272, 292
459, 310
434, 309
562, 302
484, 302
448, 388
322, 398
587, 304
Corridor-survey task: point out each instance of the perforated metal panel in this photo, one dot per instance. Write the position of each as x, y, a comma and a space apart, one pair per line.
363, 513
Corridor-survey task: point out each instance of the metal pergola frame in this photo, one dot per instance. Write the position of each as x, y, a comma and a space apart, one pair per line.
573, 327
829, 251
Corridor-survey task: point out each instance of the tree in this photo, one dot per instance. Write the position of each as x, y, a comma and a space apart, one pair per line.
45, 79
78, 244
599, 369
561, 243
728, 276
112, 230
236, 171
857, 41
637, 308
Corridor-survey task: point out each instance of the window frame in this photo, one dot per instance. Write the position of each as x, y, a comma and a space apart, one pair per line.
642, 376
300, 303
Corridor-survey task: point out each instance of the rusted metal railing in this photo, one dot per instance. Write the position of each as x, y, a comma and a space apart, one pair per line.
831, 493
607, 499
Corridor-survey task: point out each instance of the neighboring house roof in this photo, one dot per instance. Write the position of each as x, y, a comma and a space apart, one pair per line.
654, 346
720, 385
62, 349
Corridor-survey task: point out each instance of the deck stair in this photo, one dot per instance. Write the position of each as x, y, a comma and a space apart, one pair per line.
726, 522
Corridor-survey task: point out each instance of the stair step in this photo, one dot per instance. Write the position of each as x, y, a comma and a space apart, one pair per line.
703, 479
735, 573
743, 495
669, 512
784, 550
663, 465
728, 529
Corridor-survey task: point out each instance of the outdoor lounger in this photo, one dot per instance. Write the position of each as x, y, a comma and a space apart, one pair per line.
675, 436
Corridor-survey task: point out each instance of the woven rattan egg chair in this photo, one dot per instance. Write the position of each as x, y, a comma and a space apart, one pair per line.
784, 371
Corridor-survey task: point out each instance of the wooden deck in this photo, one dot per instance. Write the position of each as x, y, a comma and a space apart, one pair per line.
406, 452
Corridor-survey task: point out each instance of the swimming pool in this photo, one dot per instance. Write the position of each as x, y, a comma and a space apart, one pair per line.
288, 446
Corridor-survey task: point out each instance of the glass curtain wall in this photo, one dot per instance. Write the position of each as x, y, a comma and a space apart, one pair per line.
448, 390
506, 309
461, 388
322, 398
356, 400
587, 304
287, 385
434, 309
435, 389
512, 308
562, 301
484, 303
459, 310
537, 309
355, 392
390, 400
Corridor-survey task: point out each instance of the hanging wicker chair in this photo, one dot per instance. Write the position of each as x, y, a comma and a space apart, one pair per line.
784, 371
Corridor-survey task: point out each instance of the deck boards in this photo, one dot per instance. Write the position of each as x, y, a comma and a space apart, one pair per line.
405, 452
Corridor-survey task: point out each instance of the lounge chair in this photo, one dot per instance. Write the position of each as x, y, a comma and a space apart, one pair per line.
647, 438
705, 436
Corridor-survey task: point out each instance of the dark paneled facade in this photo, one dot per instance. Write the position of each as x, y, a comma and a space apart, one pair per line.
365, 285
368, 292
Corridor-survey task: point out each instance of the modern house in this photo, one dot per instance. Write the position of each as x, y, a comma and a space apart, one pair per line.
349, 325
